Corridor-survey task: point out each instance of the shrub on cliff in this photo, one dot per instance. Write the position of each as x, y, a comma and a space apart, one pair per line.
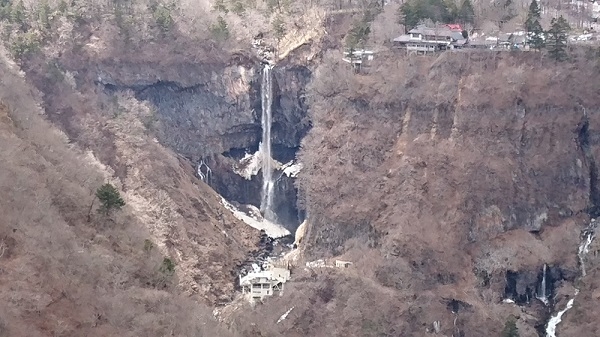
220, 30
23, 44
163, 18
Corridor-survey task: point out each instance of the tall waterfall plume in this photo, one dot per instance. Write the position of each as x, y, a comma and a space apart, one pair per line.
541, 295
266, 205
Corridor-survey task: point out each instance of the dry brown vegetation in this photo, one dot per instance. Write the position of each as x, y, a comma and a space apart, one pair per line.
184, 217
443, 165
61, 275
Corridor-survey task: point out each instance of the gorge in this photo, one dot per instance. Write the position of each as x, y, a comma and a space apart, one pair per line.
420, 165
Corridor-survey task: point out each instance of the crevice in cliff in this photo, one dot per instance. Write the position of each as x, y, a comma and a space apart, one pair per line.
139, 89
583, 140
524, 286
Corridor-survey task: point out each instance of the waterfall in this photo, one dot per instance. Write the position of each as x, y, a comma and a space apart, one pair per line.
266, 205
541, 295
554, 320
587, 237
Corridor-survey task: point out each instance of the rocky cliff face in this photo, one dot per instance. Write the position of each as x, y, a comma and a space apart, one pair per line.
463, 175
213, 113
214, 109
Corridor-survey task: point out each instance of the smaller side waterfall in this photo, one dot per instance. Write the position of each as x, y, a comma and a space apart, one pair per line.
542, 292
204, 172
587, 237
554, 320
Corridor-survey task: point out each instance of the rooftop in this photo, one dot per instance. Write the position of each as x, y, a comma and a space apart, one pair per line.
450, 31
273, 274
436, 31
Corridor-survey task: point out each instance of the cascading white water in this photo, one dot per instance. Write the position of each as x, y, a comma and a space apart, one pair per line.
554, 320
266, 205
587, 237
542, 291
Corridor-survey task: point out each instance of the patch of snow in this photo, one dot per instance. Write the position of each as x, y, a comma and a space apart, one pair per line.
540, 219
291, 169
249, 165
316, 264
300, 232
256, 221
585, 37
554, 320
284, 316
291, 256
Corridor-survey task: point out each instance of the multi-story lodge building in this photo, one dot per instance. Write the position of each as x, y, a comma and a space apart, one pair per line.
423, 39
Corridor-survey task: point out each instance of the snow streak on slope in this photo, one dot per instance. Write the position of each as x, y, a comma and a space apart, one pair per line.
254, 220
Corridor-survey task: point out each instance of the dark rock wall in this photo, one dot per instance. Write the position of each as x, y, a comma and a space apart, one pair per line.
215, 115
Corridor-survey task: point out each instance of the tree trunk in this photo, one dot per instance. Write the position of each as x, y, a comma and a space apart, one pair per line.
89, 215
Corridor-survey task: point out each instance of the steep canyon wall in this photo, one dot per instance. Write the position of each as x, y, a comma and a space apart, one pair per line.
453, 170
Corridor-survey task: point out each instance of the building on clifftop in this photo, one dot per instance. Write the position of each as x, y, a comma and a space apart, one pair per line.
423, 39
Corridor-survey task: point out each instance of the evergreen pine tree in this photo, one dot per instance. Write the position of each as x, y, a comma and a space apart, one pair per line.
44, 14
510, 327
279, 27
63, 6
18, 15
358, 35
408, 16
534, 30
5, 10
414, 11
535, 37
220, 6
533, 15
510, 11
557, 38
220, 30
110, 198
466, 14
